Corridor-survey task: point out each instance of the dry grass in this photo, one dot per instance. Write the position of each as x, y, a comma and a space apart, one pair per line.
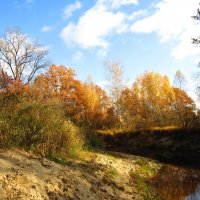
125, 131
113, 131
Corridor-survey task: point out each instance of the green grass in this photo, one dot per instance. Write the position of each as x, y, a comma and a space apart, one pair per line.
139, 178
142, 186
112, 171
60, 161
146, 167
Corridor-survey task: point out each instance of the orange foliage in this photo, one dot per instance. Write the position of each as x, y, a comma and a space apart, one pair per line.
81, 102
147, 102
183, 107
11, 87
151, 102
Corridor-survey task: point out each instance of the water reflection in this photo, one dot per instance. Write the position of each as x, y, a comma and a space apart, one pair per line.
177, 183
195, 195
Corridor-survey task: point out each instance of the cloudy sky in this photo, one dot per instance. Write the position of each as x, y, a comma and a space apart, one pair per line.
83, 34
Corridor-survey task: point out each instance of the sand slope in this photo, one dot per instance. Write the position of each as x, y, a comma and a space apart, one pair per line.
95, 177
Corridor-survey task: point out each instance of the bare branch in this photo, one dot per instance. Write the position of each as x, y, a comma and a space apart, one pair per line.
197, 16
20, 57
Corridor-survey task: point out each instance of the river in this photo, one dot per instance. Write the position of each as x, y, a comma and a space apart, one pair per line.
180, 147
177, 183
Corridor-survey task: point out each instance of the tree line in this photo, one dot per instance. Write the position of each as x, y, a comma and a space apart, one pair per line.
44, 107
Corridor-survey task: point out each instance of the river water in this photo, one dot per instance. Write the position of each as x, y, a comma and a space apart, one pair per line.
177, 183
195, 195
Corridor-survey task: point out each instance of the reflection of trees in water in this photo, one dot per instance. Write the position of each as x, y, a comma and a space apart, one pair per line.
176, 183
195, 195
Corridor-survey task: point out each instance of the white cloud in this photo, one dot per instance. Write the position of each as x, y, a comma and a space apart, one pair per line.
69, 9
115, 4
92, 27
46, 29
95, 25
190, 89
119, 3
184, 46
172, 21
78, 56
136, 14
103, 84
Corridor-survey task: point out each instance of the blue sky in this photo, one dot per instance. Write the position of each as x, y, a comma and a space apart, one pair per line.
83, 34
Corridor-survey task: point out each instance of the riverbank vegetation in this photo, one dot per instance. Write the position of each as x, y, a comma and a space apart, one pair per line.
46, 109
172, 145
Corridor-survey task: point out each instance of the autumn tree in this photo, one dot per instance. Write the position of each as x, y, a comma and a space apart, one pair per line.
20, 59
82, 102
183, 108
91, 106
114, 76
88, 104
132, 108
59, 81
148, 101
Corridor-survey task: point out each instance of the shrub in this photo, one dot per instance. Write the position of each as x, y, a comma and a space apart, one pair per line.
41, 127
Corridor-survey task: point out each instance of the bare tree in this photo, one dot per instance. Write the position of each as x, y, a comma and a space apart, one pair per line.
196, 41
196, 17
20, 57
114, 75
179, 80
